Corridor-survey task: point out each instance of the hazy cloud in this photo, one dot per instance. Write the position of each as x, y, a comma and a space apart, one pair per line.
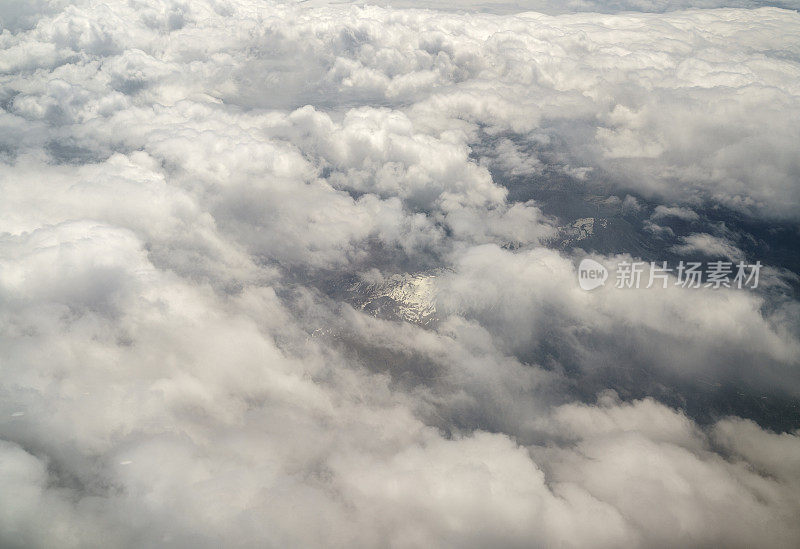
194, 191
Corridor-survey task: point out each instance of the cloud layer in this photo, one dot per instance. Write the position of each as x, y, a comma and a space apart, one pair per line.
191, 191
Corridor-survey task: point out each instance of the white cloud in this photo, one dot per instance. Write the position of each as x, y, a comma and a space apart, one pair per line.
665, 212
709, 245
189, 188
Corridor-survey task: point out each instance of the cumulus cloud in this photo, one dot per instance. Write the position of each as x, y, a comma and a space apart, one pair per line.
194, 192
665, 212
709, 245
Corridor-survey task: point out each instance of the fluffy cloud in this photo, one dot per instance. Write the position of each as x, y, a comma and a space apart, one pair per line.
191, 190
709, 245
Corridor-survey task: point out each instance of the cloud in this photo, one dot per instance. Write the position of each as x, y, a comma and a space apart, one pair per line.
709, 245
664, 212
579, 328
193, 192
623, 452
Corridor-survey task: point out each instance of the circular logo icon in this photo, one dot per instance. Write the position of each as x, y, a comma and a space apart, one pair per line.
591, 274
